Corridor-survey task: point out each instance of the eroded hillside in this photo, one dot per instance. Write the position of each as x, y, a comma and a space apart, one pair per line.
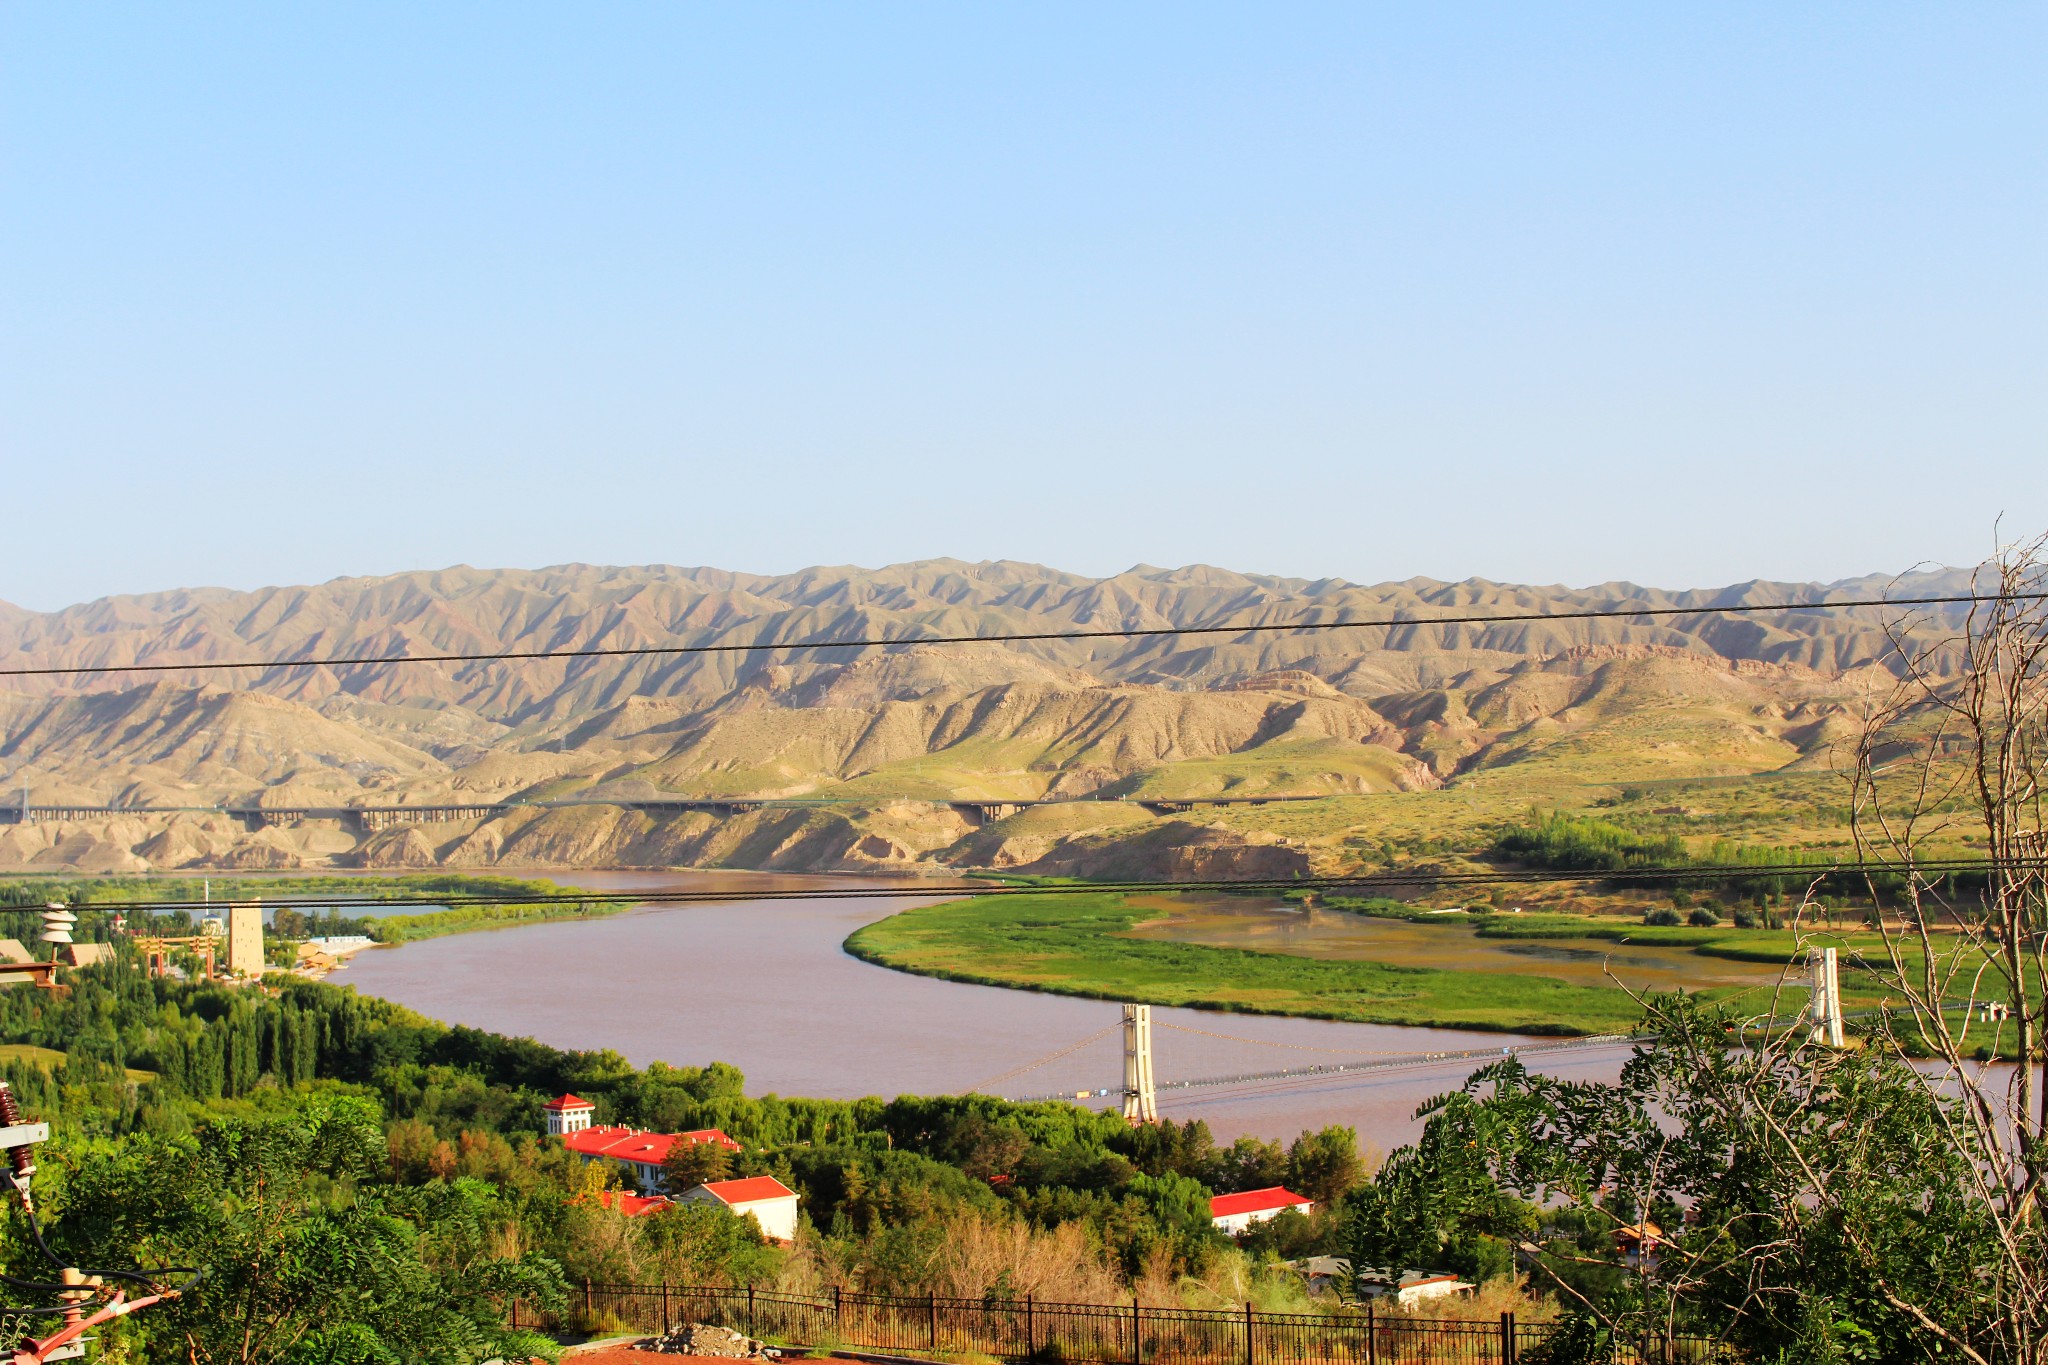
1440, 727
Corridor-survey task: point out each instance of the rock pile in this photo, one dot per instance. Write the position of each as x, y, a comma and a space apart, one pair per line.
700, 1339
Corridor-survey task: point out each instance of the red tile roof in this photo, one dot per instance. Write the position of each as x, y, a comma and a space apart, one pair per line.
631, 1144
568, 1102
632, 1205
752, 1190
1255, 1201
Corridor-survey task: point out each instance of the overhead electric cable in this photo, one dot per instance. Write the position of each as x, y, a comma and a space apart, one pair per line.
1023, 637
1366, 883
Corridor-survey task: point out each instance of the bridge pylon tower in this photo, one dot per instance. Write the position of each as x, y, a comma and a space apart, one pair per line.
1141, 1099
1827, 998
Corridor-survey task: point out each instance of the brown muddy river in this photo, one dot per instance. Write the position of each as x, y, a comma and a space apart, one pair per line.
765, 986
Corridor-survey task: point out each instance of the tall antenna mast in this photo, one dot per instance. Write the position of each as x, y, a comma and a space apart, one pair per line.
1141, 1100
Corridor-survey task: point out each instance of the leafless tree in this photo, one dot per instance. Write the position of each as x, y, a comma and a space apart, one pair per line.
1948, 767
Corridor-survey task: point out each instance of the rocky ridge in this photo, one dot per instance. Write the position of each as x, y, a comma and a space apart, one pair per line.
882, 738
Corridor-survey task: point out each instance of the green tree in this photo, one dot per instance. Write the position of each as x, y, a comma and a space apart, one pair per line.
308, 1256
1828, 1204
1437, 1205
1249, 1163
690, 1164
1325, 1165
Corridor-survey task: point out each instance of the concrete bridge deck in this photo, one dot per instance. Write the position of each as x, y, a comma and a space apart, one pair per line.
371, 818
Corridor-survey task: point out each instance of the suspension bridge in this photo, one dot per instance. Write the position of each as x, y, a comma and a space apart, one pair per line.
1140, 1087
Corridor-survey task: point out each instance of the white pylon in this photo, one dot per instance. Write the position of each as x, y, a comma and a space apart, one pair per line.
1827, 998
1141, 1100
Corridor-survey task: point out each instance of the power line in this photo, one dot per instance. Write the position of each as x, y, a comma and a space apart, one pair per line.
1358, 884
890, 642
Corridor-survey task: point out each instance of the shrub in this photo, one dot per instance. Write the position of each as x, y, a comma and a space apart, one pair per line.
1746, 918
1663, 915
1703, 918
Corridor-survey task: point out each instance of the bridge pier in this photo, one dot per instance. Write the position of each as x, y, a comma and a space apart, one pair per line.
1141, 1097
722, 809
373, 818
979, 813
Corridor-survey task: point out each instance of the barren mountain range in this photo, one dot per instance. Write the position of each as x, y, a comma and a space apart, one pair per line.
879, 739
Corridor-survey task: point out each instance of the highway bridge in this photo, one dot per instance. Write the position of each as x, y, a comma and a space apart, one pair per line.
371, 818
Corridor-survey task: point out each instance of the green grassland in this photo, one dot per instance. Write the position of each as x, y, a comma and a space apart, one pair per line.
1073, 945
1079, 944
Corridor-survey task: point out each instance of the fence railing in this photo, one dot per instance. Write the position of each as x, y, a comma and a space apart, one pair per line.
1027, 1330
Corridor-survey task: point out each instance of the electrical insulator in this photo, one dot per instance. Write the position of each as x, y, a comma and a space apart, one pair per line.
57, 923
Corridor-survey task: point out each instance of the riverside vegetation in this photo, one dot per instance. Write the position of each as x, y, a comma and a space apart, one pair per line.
366, 1185
1098, 944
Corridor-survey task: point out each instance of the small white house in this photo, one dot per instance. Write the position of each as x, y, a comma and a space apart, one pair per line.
1410, 1287
772, 1203
1233, 1213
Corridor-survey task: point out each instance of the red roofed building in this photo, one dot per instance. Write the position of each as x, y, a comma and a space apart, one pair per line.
772, 1203
1233, 1213
632, 1205
642, 1151
568, 1114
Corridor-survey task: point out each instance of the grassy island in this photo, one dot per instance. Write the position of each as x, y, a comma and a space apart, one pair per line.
1078, 944
1099, 944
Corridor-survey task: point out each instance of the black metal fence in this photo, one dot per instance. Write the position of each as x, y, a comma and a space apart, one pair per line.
1025, 1330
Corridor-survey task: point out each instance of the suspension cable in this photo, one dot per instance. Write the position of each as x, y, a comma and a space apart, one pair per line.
1068, 1051
1294, 1047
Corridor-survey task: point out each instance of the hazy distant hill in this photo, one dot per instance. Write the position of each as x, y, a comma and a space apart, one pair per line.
1356, 711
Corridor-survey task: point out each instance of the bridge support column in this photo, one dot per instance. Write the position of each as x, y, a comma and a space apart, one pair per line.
1827, 998
1141, 1099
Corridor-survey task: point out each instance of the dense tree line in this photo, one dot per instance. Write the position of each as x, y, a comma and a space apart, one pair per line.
1585, 843
303, 1118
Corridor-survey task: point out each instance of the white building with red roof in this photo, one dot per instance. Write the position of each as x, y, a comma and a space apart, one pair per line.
1233, 1213
772, 1203
640, 1151
568, 1114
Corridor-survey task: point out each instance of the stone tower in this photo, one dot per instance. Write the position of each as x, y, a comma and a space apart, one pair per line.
245, 939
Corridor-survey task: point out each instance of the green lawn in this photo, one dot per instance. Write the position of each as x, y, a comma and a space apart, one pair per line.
49, 1059
1072, 944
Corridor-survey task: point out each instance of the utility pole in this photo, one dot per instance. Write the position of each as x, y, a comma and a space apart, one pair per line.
1141, 1101
1827, 998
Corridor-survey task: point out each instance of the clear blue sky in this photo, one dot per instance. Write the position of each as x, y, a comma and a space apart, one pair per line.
1678, 293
